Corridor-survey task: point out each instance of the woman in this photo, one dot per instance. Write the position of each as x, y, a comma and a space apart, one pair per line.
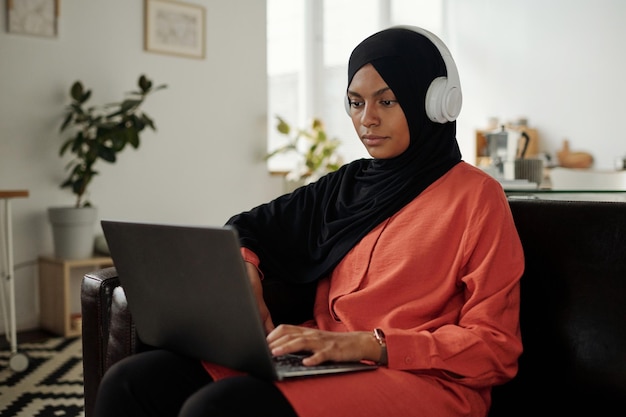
416, 259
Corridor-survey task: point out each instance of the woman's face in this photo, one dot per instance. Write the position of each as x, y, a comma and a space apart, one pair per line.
376, 115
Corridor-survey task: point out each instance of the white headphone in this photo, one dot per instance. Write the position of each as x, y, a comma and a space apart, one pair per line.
444, 97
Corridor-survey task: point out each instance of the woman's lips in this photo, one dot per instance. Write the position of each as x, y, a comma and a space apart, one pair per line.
373, 140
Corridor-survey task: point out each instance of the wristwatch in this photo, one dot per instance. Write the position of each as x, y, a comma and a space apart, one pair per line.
379, 335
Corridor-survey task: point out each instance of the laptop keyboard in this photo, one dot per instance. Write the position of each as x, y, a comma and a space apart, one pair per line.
290, 361
294, 362
291, 366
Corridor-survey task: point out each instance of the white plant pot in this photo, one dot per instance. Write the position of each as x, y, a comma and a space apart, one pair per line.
73, 231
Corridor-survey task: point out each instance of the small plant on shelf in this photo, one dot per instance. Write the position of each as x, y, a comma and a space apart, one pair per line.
315, 151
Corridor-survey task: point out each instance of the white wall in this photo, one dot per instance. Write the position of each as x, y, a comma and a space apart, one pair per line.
202, 165
561, 63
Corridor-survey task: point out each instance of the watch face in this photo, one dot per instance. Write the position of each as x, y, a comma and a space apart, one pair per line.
380, 336
33, 17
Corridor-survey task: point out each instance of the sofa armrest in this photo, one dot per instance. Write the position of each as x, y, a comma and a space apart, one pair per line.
108, 333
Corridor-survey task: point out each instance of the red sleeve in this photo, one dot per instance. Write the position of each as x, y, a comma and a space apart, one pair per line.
252, 258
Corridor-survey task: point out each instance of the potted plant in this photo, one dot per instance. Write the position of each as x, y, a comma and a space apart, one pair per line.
315, 151
96, 133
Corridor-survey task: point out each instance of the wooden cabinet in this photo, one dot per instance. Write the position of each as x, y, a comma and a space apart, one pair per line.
57, 292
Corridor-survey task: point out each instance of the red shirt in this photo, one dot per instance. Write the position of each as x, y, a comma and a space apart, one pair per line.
441, 278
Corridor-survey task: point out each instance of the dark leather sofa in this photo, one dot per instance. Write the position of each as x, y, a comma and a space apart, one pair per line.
573, 313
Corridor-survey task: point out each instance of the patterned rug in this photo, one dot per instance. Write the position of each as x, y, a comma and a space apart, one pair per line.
52, 386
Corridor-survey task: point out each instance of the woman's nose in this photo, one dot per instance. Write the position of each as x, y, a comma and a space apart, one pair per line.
369, 116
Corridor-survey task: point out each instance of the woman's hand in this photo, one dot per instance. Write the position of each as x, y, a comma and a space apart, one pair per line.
324, 345
257, 287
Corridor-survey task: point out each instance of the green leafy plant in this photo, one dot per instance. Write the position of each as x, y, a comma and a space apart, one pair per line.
101, 132
316, 151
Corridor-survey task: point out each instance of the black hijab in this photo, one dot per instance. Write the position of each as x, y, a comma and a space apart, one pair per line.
302, 236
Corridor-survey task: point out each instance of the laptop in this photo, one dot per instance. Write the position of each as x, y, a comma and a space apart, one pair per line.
188, 291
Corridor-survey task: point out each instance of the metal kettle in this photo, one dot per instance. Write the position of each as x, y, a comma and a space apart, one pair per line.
503, 147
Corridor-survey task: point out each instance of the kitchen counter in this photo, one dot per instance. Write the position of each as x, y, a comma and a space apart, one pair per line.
567, 195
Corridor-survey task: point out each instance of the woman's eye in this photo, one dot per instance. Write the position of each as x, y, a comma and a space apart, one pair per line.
355, 103
388, 103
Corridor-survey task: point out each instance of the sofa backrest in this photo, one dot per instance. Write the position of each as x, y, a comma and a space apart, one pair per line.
573, 310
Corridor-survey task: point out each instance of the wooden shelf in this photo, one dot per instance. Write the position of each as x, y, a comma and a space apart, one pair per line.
55, 292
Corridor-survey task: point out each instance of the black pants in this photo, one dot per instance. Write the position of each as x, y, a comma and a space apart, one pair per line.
161, 383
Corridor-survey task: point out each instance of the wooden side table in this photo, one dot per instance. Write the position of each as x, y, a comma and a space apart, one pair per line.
55, 292
18, 361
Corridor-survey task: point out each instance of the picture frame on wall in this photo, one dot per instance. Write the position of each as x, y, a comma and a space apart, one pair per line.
175, 28
33, 17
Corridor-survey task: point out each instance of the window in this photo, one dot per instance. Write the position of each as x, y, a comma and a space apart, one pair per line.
308, 46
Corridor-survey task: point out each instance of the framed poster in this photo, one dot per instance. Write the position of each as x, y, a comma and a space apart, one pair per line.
175, 28
33, 17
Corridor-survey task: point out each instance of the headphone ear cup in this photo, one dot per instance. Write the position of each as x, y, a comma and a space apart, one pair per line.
443, 102
434, 99
443, 97
346, 104
453, 102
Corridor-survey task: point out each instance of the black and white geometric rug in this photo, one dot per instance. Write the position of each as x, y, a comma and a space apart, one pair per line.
52, 386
